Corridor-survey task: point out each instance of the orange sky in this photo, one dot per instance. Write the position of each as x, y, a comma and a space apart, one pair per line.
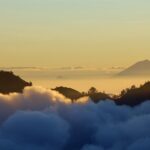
54, 33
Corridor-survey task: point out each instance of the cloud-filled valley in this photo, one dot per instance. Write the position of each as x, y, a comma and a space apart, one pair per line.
41, 119
75, 75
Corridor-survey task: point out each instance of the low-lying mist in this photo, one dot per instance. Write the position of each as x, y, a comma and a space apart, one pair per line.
108, 84
41, 119
80, 78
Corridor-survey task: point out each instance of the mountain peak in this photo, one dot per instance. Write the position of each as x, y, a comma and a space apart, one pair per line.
144, 61
141, 68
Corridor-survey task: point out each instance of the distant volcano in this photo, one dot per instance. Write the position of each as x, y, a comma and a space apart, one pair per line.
141, 68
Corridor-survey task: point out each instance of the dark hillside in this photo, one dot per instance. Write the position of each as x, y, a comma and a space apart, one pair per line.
11, 83
134, 96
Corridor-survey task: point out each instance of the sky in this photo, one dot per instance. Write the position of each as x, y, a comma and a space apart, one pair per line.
55, 33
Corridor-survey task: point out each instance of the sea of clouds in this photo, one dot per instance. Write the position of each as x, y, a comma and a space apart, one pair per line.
41, 119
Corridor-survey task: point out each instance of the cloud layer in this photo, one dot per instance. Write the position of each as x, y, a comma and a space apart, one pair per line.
41, 119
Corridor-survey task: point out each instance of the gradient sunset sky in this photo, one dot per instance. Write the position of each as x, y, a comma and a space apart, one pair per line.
74, 32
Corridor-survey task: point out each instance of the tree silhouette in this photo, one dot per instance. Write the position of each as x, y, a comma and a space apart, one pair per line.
92, 90
134, 96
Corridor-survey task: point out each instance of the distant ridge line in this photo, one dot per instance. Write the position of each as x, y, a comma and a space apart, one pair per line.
141, 68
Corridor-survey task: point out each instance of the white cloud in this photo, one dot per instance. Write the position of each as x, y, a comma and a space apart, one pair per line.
43, 119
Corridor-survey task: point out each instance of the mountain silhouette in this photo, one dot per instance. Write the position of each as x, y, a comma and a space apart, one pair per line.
74, 94
141, 68
135, 95
11, 83
69, 92
132, 96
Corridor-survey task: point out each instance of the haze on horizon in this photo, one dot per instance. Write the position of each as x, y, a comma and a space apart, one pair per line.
81, 78
74, 43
